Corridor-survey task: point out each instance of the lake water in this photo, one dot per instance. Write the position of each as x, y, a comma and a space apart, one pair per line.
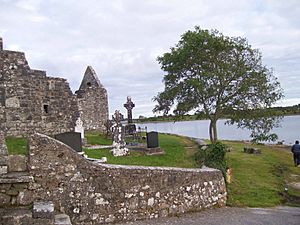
289, 130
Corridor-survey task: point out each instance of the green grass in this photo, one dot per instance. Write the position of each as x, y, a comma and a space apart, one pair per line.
94, 138
16, 146
179, 152
260, 180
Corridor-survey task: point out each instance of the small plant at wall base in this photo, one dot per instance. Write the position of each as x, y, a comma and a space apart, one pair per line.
213, 156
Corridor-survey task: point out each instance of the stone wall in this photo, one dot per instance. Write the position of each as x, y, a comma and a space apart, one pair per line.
32, 102
92, 102
94, 194
14, 178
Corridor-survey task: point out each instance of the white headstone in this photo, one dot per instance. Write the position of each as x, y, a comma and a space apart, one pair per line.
79, 127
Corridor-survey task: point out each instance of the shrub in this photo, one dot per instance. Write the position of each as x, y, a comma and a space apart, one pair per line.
213, 156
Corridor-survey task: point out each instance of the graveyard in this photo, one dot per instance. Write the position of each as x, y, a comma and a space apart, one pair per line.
48, 176
179, 152
62, 157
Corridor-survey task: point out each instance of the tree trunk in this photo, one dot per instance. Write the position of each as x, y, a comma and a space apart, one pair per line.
213, 135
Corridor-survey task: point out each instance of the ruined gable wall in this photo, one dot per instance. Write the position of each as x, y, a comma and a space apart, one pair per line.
95, 194
24, 94
93, 108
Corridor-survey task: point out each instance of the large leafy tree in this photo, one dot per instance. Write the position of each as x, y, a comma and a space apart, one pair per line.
219, 75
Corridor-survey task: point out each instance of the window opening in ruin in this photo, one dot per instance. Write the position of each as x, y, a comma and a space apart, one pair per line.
88, 84
46, 108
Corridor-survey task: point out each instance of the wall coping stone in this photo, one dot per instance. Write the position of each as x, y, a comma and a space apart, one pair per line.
125, 167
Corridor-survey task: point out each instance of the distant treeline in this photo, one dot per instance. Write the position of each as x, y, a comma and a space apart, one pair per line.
279, 111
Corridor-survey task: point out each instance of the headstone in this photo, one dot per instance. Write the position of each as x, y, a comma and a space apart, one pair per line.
152, 140
72, 139
129, 106
130, 127
119, 148
79, 127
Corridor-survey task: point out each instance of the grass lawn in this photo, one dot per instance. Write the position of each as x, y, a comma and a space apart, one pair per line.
95, 138
260, 180
179, 152
16, 146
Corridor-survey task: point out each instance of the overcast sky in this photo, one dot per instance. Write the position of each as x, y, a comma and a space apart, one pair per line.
121, 39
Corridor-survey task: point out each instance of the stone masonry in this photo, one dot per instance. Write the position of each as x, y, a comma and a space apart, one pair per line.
93, 194
32, 102
92, 101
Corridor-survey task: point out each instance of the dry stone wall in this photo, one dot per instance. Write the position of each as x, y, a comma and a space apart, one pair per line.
95, 194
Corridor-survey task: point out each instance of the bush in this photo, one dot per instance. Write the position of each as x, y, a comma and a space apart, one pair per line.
213, 156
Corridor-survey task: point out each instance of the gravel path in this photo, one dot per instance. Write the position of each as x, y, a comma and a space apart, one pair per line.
232, 216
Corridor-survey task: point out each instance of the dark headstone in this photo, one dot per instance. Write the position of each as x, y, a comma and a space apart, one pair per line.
72, 139
152, 139
130, 129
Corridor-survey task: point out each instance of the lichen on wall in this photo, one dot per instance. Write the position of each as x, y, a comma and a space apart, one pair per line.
93, 194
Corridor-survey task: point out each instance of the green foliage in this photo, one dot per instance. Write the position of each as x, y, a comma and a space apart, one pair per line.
216, 75
199, 115
260, 122
213, 156
16, 145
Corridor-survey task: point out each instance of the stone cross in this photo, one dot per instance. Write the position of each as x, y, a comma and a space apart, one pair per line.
117, 117
119, 144
129, 106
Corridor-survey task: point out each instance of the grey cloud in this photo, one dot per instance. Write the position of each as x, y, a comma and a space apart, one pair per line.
121, 39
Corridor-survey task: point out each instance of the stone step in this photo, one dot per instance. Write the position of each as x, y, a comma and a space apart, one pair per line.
43, 210
21, 216
15, 216
62, 219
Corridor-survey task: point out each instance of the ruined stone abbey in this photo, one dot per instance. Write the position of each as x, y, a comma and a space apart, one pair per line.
54, 183
32, 102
